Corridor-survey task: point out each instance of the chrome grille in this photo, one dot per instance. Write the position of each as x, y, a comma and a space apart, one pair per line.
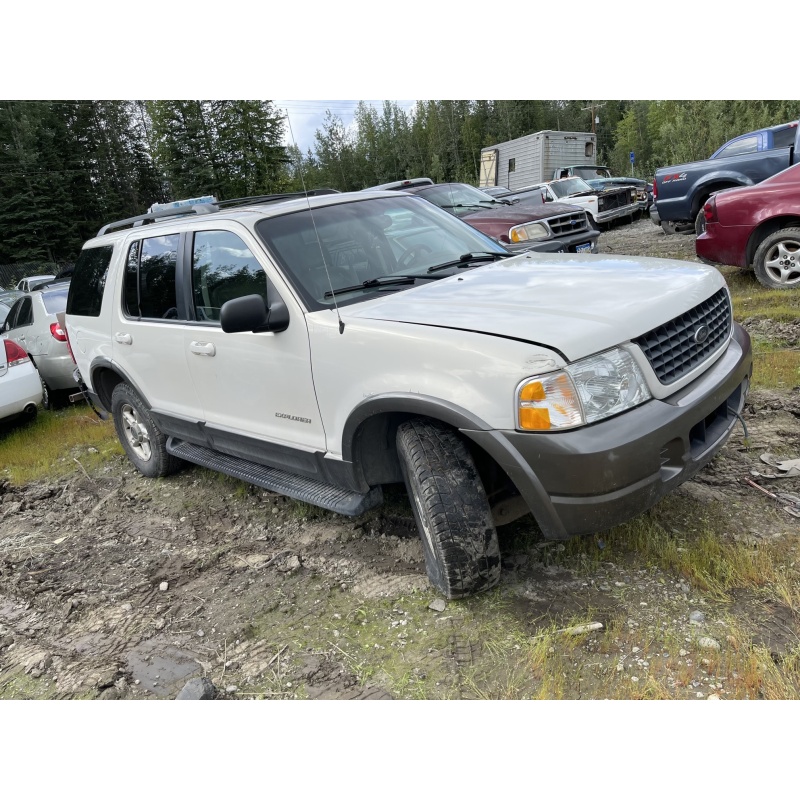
568, 223
606, 202
673, 350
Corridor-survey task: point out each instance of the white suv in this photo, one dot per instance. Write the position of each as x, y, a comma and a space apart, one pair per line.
322, 346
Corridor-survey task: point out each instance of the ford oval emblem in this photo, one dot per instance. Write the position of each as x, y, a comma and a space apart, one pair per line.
701, 334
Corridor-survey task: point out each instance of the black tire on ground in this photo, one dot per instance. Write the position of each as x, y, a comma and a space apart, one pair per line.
459, 539
700, 222
47, 395
777, 260
141, 439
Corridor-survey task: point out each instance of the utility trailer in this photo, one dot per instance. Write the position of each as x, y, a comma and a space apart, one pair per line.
535, 158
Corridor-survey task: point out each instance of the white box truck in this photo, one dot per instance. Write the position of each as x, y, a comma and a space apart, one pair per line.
534, 158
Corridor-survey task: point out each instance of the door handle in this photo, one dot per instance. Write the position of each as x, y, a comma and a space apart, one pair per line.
123, 338
203, 348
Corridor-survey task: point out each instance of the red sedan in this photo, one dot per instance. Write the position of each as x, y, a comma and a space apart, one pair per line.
756, 226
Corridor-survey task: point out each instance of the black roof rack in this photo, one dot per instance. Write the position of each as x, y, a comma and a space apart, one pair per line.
206, 208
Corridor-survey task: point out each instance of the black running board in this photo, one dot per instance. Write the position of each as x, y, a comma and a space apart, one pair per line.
342, 501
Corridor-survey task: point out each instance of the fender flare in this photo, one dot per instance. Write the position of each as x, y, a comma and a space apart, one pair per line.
411, 404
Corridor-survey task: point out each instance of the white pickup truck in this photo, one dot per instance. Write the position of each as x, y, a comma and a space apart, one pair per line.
323, 346
602, 205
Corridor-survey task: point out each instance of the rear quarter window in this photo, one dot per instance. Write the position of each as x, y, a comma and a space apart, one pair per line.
88, 281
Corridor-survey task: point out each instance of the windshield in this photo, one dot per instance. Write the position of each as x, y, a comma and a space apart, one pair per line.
591, 172
459, 198
369, 241
569, 186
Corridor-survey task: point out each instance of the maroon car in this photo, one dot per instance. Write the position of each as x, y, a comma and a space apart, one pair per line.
756, 226
529, 224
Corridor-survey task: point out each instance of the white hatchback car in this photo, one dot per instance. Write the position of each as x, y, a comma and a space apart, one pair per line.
20, 389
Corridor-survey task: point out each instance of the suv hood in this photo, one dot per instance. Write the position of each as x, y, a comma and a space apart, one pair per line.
577, 305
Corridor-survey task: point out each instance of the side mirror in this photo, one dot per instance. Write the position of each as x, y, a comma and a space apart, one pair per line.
250, 313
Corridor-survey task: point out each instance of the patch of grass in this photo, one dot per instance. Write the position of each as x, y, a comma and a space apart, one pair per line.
776, 369
46, 448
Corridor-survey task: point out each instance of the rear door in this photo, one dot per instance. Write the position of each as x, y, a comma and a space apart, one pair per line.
149, 328
19, 324
488, 176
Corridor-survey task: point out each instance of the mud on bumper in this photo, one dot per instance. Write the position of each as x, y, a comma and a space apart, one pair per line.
593, 478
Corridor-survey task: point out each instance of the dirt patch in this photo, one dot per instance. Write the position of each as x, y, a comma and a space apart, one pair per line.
115, 586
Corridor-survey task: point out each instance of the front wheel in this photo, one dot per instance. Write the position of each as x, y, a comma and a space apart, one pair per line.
777, 260
459, 539
142, 441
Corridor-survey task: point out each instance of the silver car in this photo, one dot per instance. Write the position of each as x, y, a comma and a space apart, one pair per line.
33, 325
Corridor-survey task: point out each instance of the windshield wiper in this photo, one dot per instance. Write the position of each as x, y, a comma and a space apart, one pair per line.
468, 259
384, 280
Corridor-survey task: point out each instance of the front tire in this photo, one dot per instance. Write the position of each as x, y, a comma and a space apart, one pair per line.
777, 260
459, 539
141, 439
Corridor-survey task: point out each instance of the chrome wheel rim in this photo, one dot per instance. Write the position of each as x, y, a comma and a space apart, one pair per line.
782, 263
136, 432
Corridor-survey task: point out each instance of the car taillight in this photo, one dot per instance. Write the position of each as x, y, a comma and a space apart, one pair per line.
655, 189
69, 344
14, 353
58, 334
710, 210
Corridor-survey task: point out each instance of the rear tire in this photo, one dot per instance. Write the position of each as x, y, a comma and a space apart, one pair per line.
700, 222
141, 439
459, 539
47, 395
777, 260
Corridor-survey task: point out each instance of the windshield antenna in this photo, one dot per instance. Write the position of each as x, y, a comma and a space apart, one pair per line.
313, 222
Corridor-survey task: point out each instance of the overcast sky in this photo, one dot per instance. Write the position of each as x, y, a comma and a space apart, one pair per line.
307, 116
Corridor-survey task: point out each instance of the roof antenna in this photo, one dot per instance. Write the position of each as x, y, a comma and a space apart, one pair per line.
311, 213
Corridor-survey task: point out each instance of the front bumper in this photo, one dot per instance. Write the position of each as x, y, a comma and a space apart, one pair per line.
560, 244
593, 478
616, 213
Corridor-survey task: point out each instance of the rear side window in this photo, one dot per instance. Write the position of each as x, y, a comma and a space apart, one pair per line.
223, 268
88, 282
740, 147
150, 278
784, 138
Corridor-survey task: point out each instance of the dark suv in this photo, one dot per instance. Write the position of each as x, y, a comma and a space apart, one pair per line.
526, 225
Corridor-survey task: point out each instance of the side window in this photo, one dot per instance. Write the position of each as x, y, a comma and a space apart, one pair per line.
223, 268
150, 278
11, 319
24, 313
740, 147
88, 282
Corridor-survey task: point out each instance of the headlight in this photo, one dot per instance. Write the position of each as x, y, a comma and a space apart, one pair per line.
530, 232
586, 391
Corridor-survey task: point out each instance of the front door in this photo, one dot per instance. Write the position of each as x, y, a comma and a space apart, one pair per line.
252, 385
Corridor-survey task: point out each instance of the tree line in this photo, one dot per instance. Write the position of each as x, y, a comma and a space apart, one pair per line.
68, 167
